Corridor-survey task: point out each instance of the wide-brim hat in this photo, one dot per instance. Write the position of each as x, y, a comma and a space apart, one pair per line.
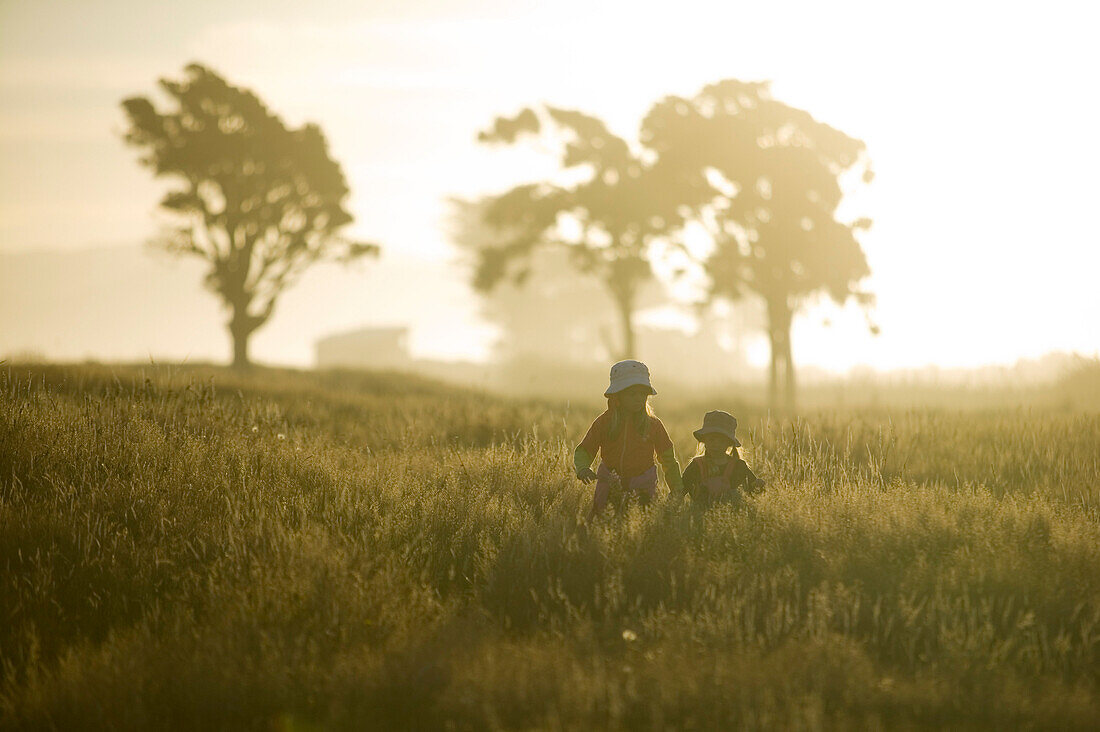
626, 374
719, 423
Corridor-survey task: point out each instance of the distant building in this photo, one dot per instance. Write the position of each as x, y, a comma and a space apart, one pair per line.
364, 348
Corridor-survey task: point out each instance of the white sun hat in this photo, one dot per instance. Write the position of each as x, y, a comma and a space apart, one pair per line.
626, 374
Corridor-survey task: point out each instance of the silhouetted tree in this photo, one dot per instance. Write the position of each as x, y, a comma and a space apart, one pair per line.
773, 172
608, 220
258, 201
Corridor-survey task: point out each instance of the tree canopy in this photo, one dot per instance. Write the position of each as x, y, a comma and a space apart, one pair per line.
773, 175
608, 218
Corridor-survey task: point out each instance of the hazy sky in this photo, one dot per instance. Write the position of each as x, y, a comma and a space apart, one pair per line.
980, 120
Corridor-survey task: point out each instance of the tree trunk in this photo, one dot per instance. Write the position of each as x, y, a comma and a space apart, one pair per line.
624, 300
241, 328
240, 349
626, 312
781, 382
773, 366
789, 386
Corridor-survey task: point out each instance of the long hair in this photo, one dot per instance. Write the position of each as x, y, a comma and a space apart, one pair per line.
618, 419
732, 451
702, 450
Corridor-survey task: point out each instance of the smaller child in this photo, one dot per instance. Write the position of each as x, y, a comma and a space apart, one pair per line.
718, 475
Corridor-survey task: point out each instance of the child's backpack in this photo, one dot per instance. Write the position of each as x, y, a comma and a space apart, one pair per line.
718, 485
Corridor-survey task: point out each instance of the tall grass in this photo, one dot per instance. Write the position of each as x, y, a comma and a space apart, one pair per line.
191, 548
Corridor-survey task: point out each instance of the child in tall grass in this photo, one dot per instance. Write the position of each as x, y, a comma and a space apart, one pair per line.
719, 474
628, 437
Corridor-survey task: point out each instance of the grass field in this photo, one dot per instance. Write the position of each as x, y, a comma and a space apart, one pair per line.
193, 549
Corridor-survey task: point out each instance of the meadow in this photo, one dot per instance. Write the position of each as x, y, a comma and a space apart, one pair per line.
193, 548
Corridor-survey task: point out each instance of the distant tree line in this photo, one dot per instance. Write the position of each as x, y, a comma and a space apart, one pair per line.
261, 202
762, 178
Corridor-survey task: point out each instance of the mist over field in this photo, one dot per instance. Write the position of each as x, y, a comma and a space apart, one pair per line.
126, 303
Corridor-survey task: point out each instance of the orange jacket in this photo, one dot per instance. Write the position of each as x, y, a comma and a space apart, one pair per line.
630, 453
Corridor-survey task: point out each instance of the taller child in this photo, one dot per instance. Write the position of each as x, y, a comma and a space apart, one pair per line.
628, 438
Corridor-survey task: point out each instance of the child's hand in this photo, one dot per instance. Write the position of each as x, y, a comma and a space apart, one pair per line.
758, 484
587, 475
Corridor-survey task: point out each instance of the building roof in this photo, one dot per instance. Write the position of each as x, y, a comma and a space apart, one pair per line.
366, 333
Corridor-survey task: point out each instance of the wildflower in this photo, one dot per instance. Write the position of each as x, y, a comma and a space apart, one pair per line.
255, 428
629, 636
281, 436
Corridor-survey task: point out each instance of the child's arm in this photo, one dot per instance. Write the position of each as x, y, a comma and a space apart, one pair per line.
582, 464
666, 456
691, 477
749, 481
586, 451
668, 462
